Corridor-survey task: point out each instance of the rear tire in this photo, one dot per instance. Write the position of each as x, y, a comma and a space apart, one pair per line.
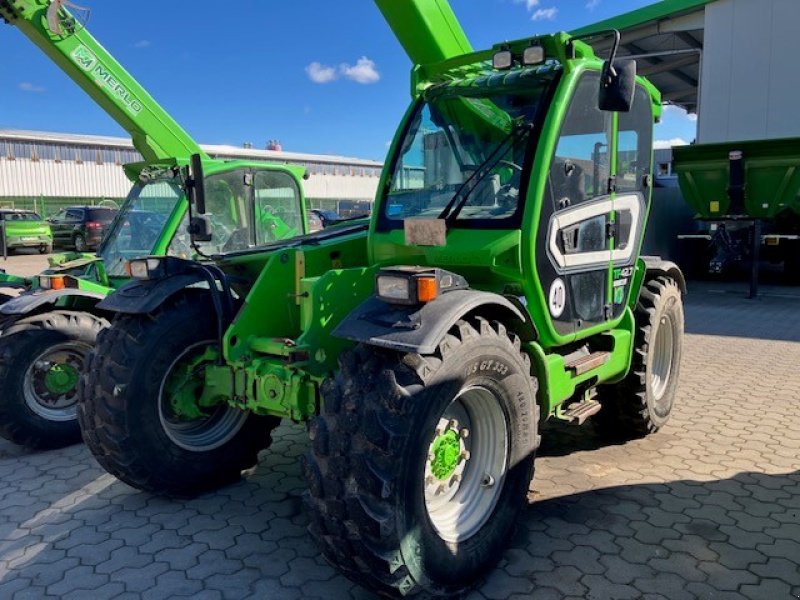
125, 415
41, 359
642, 403
80, 243
398, 500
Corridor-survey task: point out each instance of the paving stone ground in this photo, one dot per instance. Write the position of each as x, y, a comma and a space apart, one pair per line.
708, 508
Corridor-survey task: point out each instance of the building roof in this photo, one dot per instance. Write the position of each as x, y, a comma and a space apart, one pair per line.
666, 39
213, 150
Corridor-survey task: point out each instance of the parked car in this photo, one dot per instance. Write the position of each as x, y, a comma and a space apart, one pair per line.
81, 227
315, 223
26, 229
328, 217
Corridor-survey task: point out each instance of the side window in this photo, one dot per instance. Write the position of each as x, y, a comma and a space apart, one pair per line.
277, 207
74, 215
635, 141
581, 165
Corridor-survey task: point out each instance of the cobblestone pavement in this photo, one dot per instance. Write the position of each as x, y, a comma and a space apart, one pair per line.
708, 508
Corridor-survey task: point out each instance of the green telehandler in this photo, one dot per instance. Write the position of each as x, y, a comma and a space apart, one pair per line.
500, 284
47, 331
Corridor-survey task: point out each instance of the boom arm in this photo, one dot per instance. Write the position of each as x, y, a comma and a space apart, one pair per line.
69, 45
428, 30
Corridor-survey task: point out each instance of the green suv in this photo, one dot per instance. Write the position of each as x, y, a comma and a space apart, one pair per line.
26, 229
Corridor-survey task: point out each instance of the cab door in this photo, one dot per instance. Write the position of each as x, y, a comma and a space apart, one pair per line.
633, 183
574, 244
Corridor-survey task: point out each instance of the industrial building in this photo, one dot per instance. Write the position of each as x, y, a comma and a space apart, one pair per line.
46, 171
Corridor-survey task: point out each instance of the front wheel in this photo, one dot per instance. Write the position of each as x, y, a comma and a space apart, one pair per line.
420, 464
642, 403
41, 359
139, 410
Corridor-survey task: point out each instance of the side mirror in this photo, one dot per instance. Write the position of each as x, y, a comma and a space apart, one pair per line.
617, 86
200, 229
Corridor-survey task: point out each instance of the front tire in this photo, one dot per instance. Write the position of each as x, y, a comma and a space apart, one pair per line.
642, 403
420, 465
41, 359
127, 414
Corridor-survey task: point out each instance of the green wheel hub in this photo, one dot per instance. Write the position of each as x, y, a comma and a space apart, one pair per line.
446, 452
61, 378
184, 385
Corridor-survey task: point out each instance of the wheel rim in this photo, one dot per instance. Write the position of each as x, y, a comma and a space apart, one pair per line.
51, 381
80, 245
663, 355
466, 464
215, 426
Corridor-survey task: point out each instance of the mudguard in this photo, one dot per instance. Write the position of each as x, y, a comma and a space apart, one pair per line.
143, 297
32, 301
658, 266
420, 329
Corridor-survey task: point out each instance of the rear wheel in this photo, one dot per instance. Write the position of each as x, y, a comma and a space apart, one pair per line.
140, 412
80, 243
642, 403
420, 464
41, 359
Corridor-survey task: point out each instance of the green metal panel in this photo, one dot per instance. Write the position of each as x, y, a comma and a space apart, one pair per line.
772, 177
427, 29
155, 133
653, 12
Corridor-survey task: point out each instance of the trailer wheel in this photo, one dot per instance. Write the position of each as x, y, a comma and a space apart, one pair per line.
642, 403
139, 413
41, 359
420, 464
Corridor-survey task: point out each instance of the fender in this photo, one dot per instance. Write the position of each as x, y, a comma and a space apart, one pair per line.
30, 302
420, 329
656, 265
143, 297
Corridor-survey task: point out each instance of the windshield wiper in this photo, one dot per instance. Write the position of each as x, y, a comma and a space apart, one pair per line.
459, 199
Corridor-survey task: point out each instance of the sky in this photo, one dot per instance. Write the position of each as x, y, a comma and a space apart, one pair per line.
318, 75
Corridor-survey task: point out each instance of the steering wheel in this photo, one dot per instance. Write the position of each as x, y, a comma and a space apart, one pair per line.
508, 163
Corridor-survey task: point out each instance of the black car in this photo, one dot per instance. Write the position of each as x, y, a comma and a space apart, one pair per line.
81, 227
328, 217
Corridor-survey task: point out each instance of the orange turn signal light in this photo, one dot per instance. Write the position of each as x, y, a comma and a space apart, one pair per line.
57, 283
427, 290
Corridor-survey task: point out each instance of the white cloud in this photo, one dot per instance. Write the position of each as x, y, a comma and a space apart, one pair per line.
530, 4
664, 144
545, 14
142, 44
592, 4
678, 111
319, 73
364, 71
27, 86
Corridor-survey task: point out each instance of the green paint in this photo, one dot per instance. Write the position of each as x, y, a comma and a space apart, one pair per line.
446, 451
184, 385
61, 379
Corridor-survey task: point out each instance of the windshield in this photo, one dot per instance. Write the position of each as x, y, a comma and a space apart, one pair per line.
141, 220
22, 217
466, 153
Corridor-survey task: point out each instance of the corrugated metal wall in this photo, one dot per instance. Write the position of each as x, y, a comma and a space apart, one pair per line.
750, 79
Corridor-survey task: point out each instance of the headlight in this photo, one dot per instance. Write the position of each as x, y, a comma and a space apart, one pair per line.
533, 55
50, 282
146, 268
503, 60
394, 288
415, 285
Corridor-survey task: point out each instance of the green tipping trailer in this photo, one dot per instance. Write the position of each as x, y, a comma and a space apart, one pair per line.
744, 192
